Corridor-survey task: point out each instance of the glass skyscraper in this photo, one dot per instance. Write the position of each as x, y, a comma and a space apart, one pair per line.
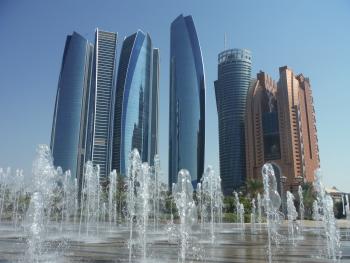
187, 101
69, 121
101, 101
234, 76
134, 100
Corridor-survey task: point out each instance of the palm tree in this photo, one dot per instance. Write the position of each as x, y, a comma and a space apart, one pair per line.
309, 197
254, 186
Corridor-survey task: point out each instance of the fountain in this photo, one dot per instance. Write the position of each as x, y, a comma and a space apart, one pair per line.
134, 169
292, 216
61, 225
43, 185
69, 198
211, 199
239, 212
90, 199
76, 201
183, 196
156, 192
325, 204
253, 216
272, 203
4, 182
201, 211
301, 205
259, 211
315, 211
142, 212
241, 217
171, 229
112, 195
15, 193
138, 199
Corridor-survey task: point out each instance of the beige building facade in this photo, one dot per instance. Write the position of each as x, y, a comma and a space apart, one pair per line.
280, 128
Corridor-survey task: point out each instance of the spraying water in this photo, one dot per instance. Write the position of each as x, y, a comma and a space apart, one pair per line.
272, 203
143, 209
201, 211
325, 204
90, 198
69, 198
112, 202
171, 229
156, 192
16, 194
138, 199
301, 205
211, 199
44, 182
253, 216
259, 211
241, 216
315, 211
4, 183
292, 216
183, 195
239, 212
134, 169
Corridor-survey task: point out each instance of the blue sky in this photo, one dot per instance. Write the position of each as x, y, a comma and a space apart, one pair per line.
312, 37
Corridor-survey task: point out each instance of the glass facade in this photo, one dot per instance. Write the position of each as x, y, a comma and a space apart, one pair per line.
234, 75
69, 121
187, 101
271, 136
132, 108
154, 104
101, 102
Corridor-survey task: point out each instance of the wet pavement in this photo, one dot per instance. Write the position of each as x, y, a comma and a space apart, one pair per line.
111, 245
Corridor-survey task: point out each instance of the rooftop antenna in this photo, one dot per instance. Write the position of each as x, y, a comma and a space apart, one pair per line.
225, 41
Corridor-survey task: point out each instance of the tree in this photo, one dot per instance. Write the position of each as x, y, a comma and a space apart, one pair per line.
254, 186
309, 198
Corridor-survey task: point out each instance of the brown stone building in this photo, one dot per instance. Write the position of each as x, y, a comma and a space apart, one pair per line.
280, 128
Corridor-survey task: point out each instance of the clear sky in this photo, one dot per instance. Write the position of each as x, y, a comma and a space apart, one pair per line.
312, 37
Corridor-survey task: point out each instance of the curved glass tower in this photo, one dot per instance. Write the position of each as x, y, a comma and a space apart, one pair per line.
187, 101
234, 76
131, 118
69, 121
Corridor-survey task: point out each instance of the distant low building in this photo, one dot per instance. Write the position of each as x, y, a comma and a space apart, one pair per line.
335, 194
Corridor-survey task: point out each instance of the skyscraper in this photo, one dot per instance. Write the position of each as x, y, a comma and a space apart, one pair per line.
101, 101
134, 107
234, 73
281, 128
187, 101
69, 121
